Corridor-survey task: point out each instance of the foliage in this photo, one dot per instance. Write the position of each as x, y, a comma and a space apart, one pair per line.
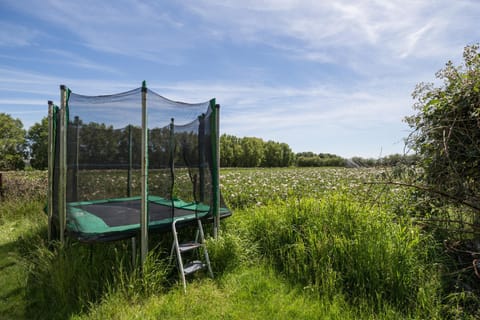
446, 128
37, 137
310, 159
98, 143
230, 151
228, 252
393, 160
24, 185
254, 152
399, 160
277, 155
12, 143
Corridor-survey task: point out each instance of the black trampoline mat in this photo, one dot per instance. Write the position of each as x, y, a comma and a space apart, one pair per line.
123, 213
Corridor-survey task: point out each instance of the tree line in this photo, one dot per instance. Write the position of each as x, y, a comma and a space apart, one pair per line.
310, 159
254, 152
19, 147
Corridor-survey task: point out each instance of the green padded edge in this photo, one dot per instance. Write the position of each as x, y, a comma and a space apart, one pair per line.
81, 221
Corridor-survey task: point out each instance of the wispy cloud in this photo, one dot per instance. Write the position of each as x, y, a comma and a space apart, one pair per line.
389, 26
311, 30
130, 28
34, 102
14, 35
70, 58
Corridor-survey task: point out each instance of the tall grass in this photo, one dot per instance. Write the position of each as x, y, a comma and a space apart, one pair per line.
336, 245
22, 222
69, 279
64, 279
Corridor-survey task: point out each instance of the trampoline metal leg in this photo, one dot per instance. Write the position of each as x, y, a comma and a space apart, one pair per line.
134, 251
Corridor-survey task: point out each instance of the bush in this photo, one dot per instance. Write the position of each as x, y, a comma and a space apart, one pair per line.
446, 133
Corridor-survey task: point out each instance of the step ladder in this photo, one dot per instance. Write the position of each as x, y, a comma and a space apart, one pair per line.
179, 248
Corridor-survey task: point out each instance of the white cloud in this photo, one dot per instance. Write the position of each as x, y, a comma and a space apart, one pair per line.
22, 102
71, 58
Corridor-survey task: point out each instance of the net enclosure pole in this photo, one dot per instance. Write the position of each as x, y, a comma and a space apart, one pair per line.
129, 187
51, 154
76, 123
217, 182
201, 157
144, 182
62, 198
172, 166
130, 159
215, 135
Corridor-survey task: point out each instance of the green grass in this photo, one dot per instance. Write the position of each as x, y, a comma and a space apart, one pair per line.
20, 223
11, 275
335, 245
303, 243
247, 293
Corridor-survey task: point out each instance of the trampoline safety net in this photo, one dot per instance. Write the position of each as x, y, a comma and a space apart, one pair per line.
103, 160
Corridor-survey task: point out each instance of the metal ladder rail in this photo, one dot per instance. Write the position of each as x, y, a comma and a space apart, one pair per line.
179, 248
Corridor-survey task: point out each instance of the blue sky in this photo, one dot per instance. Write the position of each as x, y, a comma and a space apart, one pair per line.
322, 76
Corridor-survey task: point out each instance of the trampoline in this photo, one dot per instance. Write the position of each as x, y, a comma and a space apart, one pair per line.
117, 219
127, 164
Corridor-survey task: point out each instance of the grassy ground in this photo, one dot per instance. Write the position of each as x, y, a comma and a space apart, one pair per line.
11, 278
322, 245
19, 223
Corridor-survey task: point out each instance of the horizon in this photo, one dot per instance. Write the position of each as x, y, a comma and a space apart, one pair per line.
332, 77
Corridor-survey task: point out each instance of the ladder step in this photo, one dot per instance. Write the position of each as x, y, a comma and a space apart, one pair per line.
187, 246
193, 267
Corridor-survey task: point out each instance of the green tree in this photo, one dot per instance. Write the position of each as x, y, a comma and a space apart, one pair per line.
231, 151
37, 137
288, 157
310, 159
97, 144
12, 143
272, 154
252, 152
446, 129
